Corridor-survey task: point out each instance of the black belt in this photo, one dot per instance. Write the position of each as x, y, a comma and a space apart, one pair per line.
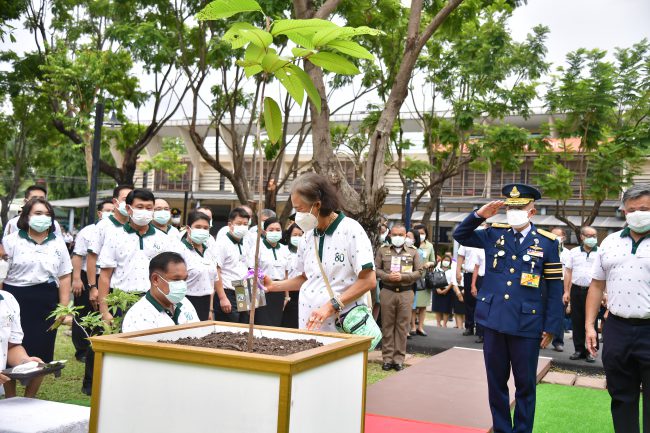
398, 289
581, 287
631, 321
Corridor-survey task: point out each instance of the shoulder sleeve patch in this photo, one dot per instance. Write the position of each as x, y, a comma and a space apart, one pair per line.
549, 235
500, 226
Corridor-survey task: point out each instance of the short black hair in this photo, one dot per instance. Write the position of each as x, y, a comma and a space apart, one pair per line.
269, 221
422, 227
195, 216
238, 212
118, 189
35, 188
23, 219
142, 194
100, 206
161, 262
312, 187
416, 237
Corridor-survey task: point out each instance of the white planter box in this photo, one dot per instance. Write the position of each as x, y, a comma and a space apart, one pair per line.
144, 386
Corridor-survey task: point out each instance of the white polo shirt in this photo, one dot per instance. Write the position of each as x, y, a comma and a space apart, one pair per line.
201, 269
232, 257
581, 264
148, 313
129, 255
171, 231
274, 261
292, 264
625, 267
31, 263
102, 227
10, 329
345, 251
82, 243
473, 256
12, 227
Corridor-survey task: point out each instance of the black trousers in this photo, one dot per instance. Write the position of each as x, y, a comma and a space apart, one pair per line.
201, 305
290, 313
626, 358
470, 302
271, 313
234, 316
79, 339
578, 306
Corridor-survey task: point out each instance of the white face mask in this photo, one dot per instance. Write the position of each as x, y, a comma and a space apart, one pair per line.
306, 220
162, 216
409, 242
121, 208
176, 220
383, 236
397, 241
273, 237
591, 242
295, 240
639, 221
239, 231
106, 215
141, 217
517, 218
445, 263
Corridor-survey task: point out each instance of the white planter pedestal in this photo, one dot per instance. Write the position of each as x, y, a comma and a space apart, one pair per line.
144, 386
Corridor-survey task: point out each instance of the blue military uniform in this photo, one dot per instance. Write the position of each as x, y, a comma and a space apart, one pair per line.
520, 298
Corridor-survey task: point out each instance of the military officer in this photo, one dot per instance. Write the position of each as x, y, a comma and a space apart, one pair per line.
520, 300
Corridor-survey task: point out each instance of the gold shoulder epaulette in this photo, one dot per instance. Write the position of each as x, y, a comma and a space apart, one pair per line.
549, 235
500, 226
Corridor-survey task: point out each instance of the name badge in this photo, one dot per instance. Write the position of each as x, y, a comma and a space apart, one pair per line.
530, 280
395, 264
535, 253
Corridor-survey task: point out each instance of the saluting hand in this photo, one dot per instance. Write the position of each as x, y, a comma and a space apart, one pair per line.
490, 209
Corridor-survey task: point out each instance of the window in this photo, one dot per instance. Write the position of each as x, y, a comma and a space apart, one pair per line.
164, 183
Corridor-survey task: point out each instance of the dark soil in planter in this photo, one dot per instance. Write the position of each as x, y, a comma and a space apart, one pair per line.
238, 341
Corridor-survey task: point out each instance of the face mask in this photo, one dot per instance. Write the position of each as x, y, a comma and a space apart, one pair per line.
199, 236
105, 215
638, 221
121, 208
141, 217
591, 242
177, 290
409, 242
517, 218
239, 231
446, 264
295, 240
40, 223
273, 237
306, 220
397, 241
161, 216
382, 237
176, 220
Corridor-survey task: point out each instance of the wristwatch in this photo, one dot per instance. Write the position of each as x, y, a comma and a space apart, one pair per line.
92, 286
336, 304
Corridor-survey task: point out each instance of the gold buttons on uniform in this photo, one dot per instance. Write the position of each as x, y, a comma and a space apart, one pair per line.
514, 257
482, 299
512, 270
506, 296
509, 283
534, 311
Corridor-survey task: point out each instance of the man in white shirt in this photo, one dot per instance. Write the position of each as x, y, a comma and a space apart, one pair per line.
558, 340
623, 266
12, 353
30, 193
165, 303
232, 255
162, 218
470, 271
577, 277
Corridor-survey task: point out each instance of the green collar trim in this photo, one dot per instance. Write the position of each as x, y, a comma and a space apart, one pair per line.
160, 308
150, 231
23, 234
1, 297
269, 246
635, 245
582, 248
158, 228
332, 227
190, 247
114, 220
233, 240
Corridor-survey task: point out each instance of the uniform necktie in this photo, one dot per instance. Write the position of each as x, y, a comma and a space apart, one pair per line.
518, 237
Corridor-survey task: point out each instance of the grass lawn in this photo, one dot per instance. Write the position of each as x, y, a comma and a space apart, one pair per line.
572, 409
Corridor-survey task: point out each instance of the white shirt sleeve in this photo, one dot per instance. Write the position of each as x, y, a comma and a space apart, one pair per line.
16, 333
360, 250
65, 264
461, 250
597, 269
568, 260
300, 255
106, 257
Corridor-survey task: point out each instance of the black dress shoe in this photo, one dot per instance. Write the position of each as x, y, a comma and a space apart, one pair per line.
86, 390
590, 359
408, 336
81, 358
479, 340
422, 333
398, 367
412, 333
468, 332
386, 366
558, 347
577, 355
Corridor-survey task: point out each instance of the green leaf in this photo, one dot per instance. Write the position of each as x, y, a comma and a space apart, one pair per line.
272, 119
234, 34
322, 37
252, 70
308, 84
271, 62
257, 37
301, 39
351, 48
292, 83
334, 63
254, 54
301, 52
226, 8
282, 27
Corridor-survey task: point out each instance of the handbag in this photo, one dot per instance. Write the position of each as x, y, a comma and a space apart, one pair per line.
358, 320
436, 279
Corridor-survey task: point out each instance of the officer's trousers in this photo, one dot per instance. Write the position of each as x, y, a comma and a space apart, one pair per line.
395, 323
503, 352
626, 358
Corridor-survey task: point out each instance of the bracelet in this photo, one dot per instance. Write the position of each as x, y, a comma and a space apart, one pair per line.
287, 298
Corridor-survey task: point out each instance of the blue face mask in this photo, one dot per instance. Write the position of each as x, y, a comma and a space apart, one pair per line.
273, 237
199, 236
121, 208
162, 216
177, 290
40, 223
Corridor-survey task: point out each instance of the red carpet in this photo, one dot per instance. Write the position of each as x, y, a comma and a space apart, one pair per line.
385, 424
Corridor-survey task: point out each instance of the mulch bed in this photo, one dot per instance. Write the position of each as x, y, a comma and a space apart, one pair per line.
238, 341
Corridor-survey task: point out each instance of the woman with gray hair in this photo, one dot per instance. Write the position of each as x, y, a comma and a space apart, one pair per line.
336, 241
